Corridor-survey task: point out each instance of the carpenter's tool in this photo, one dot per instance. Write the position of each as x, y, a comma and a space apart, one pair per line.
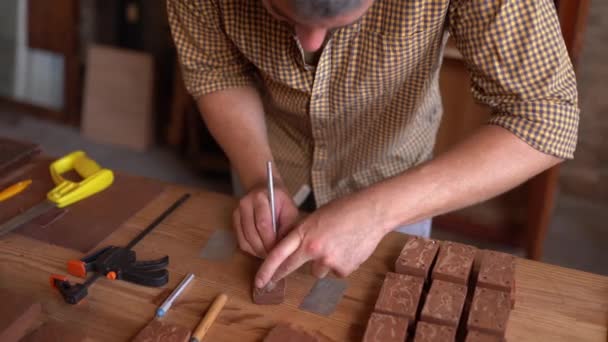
66, 192
162, 310
209, 318
271, 196
14, 189
116, 263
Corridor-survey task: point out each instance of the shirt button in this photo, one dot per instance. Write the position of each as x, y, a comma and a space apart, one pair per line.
316, 96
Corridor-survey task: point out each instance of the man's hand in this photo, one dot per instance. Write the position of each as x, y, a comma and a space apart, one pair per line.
253, 223
339, 236
343, 234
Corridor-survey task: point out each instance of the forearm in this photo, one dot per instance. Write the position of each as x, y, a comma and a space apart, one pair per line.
486, 164
235, 118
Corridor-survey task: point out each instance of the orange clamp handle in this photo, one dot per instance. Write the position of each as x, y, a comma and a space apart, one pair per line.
77, 268
55, 277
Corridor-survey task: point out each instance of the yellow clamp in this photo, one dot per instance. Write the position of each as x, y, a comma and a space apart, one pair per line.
67, 192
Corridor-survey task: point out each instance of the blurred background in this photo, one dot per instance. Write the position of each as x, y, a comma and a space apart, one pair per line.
102, 76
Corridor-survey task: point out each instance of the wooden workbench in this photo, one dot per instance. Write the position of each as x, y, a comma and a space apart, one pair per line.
552, 304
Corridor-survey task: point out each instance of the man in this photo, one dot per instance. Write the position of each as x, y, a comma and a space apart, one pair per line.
343, 96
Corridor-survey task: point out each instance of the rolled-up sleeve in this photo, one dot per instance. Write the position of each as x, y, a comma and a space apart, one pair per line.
209, 60
520, 67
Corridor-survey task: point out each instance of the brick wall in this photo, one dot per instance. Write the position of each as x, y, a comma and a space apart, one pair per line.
587, 175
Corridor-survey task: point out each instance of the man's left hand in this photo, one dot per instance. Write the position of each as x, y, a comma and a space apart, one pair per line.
339, 236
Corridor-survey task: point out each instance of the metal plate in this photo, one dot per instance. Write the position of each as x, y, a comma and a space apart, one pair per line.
324, 296
220, 246
25, 217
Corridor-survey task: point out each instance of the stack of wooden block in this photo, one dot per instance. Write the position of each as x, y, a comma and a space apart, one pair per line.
444, 292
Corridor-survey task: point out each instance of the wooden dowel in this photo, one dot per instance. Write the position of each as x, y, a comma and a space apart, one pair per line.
209, 318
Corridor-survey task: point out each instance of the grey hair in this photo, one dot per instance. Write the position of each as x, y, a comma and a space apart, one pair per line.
323, 9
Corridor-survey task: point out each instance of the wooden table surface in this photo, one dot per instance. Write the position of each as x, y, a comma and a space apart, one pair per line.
552, 304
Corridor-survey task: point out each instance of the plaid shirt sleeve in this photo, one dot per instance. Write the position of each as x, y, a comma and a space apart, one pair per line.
209, 60
520, 67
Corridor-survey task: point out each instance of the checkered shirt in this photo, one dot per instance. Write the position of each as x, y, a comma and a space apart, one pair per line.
371, 107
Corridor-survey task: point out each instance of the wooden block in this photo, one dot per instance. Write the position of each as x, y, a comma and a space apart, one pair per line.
400, 296
17, 315
160, 331
497, 271
416, 257
444, 303
53, 331
273, 296
489, 312
428, 332
475, 336
284, 332
385, 328
454, 262
118, 98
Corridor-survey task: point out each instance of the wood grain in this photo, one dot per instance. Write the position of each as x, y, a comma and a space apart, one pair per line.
553, 304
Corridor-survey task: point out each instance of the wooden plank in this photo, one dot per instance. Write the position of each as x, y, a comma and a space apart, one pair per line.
17, 315
118, 97
552, 303
84, 224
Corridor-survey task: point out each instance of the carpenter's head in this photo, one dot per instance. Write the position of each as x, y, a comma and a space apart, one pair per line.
313, 18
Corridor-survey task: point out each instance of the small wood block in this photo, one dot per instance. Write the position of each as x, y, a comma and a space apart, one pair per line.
416, 257
497, 271
57, 332
475, 336
489, 312
454, 262
284, 332
273, 296
160, 331
427, 332
444, 303
385, 328
400, 296
17, 314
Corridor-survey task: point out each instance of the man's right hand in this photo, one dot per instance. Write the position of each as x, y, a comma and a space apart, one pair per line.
253, 223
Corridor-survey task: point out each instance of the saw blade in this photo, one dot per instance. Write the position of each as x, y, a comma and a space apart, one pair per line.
25, 217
